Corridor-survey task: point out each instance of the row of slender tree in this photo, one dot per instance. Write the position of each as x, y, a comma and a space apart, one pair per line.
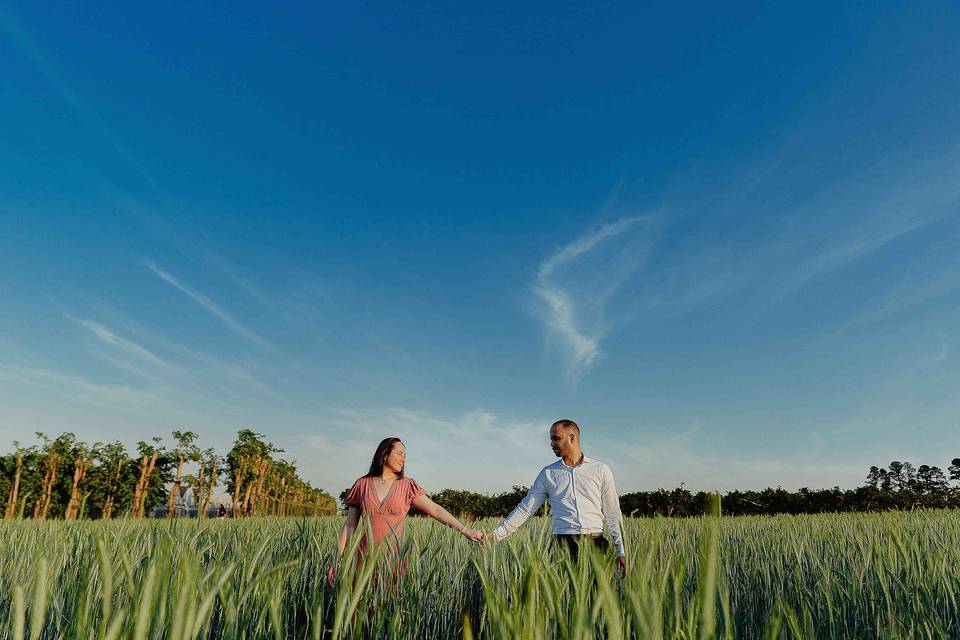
64, 477
900, 486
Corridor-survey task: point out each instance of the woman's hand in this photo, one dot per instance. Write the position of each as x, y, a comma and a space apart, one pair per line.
473, 534
331, 574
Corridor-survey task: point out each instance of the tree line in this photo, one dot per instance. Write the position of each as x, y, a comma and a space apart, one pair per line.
66, 478
900, 486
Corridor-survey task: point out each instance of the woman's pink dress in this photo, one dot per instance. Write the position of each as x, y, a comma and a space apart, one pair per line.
386, 517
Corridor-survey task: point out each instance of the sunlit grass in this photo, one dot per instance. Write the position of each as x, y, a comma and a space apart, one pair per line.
845, 576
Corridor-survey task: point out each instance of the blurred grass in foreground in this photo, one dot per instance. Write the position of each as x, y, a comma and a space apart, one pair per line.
892, 575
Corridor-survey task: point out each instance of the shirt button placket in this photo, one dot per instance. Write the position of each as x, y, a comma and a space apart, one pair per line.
576, 506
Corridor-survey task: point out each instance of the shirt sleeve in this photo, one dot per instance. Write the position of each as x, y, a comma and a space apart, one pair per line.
414, 490
528, 506
355, 497
610, 505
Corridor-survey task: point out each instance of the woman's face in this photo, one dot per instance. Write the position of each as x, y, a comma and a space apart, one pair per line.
396, 458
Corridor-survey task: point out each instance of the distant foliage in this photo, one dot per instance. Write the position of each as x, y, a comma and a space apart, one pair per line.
899, 487
64, 478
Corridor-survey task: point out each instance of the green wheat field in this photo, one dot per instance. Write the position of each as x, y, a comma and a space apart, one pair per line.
891, 575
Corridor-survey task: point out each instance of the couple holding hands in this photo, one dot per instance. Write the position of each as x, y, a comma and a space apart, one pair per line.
581, 492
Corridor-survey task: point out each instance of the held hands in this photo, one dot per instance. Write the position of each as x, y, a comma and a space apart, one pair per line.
474, 535
485, 538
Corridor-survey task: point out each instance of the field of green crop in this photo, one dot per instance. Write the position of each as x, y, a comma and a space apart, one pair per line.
894, 575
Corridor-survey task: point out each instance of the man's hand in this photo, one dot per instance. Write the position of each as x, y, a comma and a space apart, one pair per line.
622, 564
474, 534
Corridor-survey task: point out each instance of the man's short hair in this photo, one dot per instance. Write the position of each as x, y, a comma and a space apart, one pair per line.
567, 424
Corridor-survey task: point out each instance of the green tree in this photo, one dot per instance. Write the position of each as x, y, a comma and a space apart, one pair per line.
82, 456
112, 481
154, 473
207, 479
55, 487
13, 468
247, 464
183, 451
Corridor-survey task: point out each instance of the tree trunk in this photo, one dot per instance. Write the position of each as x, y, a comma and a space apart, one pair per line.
53, 460
49, 496
201, 490
245, 505
38, 505
79, 471
250, 487
12, 501
171, 503
83, 505
283, 497
111, 484
211, 483
146, 470
135, 509
259, 488
146, 482
238, 486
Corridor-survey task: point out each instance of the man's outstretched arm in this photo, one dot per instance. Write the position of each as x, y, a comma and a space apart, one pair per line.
528, 506
610, 505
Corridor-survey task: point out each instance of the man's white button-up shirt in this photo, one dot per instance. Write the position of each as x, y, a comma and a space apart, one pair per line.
581, 497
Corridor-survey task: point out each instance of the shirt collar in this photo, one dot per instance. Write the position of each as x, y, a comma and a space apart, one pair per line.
559, 464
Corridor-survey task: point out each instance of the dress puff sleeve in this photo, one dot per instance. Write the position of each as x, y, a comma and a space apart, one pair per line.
355, 497
414, 490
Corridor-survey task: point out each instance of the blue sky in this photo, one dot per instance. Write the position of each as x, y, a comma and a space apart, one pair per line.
725, 240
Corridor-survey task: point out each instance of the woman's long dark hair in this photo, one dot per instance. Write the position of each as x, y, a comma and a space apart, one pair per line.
384, 449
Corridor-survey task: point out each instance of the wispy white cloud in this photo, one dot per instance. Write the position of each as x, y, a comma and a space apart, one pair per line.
211, 307
905, 295
229, 372
109, 337
79, 389
844, 222
192, 245
559, 317
859, 245
700, 458
182, 366
585, 243
494, 454
574, 322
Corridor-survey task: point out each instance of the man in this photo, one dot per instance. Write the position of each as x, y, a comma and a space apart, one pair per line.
582, 497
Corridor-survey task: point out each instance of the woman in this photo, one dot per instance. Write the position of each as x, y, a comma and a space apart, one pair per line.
384, 495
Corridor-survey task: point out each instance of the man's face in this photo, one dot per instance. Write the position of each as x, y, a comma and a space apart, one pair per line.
561, 440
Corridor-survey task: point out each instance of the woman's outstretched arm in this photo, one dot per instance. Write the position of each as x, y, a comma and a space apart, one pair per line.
353, 517
443, 516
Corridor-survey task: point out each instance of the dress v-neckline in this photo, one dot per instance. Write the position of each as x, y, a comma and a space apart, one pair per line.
386, 496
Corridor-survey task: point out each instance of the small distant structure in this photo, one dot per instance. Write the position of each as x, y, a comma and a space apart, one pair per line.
186, 506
